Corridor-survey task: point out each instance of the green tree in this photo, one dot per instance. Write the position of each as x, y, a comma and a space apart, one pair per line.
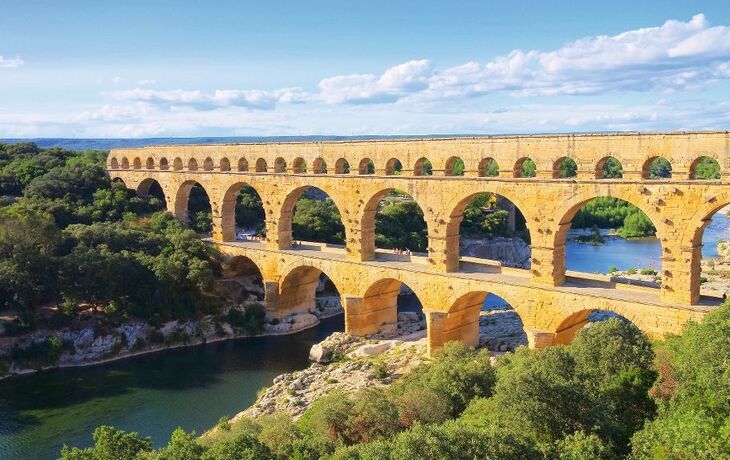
110, 444
528, 168
612, 169
706, 168
568, 168
182, 446
400, 224
317, 220
660, 168
243, 446
249, 209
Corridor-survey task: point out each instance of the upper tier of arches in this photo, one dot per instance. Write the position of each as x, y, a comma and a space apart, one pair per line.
681, 156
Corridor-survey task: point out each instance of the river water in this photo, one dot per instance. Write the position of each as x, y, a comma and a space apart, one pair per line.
152, 394
193, 387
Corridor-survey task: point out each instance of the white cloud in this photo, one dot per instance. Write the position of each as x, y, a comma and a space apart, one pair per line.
10, 62
146, 82
251, 99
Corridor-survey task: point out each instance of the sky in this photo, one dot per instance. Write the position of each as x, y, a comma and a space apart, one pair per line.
235, 68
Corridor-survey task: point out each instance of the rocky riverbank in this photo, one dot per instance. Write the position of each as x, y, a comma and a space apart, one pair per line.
93, 341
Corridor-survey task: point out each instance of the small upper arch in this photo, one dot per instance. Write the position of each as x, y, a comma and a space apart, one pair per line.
192, 165
225, 164
125, 163
137, 164
299, 166
319, 166
114, 163
177, 164
423, 167
656, 168
164, 165
280, 165
488, 167
342, 166
609, 168
564, 167
704, 168
524, 167
454, 167
366, 166
393, 167
261, 165
150, 163
242, 165
208, 164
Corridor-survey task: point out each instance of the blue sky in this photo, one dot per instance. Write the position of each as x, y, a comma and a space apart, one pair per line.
195, 68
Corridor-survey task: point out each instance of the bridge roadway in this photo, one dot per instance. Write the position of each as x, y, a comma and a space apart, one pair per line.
451, 301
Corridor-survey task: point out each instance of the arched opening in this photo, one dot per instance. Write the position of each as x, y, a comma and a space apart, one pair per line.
279, 165
579, 320
389, 308
342, 166
208, 164
423, 167
243, 165
150, 163
393, 167
656, 168
525, 167
164, 165
609, 168
152, 190
481, 319
564, 168
225, 164
261, 165
312, 217
704, 168
299, 166
608, 235
398, 223
177, 164
118, 180
454, 167
243, 217
711, 277
305, 295
241, 283
114, 163
366, 166
490, 227
192, 165
125, 163
319, 166
488, 167
137, 164
199, 210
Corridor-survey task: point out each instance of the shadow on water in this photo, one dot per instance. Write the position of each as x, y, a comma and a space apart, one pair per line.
153, 394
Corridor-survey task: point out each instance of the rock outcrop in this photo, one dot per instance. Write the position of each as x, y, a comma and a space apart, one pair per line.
511, 252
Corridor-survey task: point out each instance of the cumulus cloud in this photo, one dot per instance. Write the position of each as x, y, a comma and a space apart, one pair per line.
10, 62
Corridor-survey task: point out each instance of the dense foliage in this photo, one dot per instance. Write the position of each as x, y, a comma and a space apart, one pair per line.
596, 398
74, 237
608, 212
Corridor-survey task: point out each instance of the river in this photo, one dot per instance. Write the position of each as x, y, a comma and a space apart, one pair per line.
193, 387
152, 394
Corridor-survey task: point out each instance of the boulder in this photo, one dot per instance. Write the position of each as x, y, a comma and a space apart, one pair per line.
320, 354
303, 320
408, 316
373, 349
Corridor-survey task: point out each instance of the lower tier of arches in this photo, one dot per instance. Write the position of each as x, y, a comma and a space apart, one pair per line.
451, 301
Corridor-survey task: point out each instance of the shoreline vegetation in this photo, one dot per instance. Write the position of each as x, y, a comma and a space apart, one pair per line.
610, 394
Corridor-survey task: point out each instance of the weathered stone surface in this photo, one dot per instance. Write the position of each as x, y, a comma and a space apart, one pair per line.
678, 207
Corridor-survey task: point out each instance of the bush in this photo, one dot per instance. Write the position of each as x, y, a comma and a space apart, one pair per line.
39, 354
109, 443
243, 446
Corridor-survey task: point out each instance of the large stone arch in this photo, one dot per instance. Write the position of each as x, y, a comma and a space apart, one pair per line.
639, 197
143, 188
377, 304
286, 212
575, 321
452, 235
646, 166
298, 290
691, 241
228, 209
182, 196
367, 222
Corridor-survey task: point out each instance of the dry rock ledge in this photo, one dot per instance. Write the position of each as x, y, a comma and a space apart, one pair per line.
349, 363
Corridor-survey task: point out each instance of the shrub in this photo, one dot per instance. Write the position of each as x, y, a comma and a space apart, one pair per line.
182, 446
39, 354
109, 443
224, 423
243, 446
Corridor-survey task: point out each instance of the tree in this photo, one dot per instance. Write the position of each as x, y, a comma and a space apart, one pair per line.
693, 394
401, 224
528, 169
612, 169
317, 220
249, 209
660, 168
109, 444
243, 446
707, 168
182, 446
568, 168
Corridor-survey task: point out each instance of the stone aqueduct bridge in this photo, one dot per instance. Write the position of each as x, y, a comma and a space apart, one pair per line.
551, 304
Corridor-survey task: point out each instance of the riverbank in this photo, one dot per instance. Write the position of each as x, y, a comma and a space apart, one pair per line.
97, 343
